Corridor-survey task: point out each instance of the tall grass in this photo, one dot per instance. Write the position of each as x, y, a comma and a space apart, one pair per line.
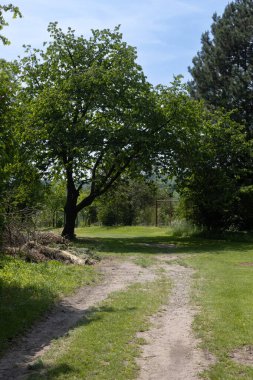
184, 228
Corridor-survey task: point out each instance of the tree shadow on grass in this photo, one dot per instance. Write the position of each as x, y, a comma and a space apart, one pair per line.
166, 244
57, 323
55, 372
20, 306
39, 371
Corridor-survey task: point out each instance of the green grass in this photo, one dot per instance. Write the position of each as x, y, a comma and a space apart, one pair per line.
27, 290
224, 291
145, 242
122, 241
104, 345
145, 261
122, 231
223, 288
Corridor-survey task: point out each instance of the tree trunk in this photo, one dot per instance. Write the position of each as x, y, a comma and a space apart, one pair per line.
71, 208
70, 211
69, 226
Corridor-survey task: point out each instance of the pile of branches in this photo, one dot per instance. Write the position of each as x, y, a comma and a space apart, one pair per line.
21, 238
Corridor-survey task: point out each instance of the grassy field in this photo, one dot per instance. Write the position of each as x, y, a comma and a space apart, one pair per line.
122, 241
28, 290
223, 290
223, 287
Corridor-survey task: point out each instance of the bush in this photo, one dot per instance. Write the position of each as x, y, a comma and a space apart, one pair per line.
108, 217
184, 228
245, 208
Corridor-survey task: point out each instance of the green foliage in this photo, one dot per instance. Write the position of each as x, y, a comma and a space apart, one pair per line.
7, 96
88, 112
8, 88
222, 71
54, 200
222, 76
183, 228
20, 183
244, 207
212, 158
15, 13
24, 188
27, 290
126, 204
213, 209
109, 216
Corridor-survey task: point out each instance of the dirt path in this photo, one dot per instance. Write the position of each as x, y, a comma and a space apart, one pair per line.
117, 275
171, 351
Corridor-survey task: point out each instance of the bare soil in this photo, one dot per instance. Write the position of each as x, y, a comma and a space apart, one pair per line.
171, 351
243, 355
246, 264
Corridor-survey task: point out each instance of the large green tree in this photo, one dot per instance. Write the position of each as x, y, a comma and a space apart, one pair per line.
7, 92
126, 204
210, 160
88, 113
211, 184
20, 185
222, 70
222, 73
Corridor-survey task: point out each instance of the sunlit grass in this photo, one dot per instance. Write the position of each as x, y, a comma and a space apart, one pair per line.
122, 241
27, 290
122, 231
104, 345
224, 291
141, 240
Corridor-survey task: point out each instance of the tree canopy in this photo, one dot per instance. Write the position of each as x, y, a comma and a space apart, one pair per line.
211, 158
222, 70
222, 75
83, 112
88, 112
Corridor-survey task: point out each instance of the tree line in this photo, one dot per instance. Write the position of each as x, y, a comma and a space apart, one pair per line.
81, 111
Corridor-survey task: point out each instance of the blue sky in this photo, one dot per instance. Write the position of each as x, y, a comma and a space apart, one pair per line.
166, 33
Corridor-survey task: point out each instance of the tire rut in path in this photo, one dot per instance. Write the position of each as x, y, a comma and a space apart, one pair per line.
171, 352
117, 276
